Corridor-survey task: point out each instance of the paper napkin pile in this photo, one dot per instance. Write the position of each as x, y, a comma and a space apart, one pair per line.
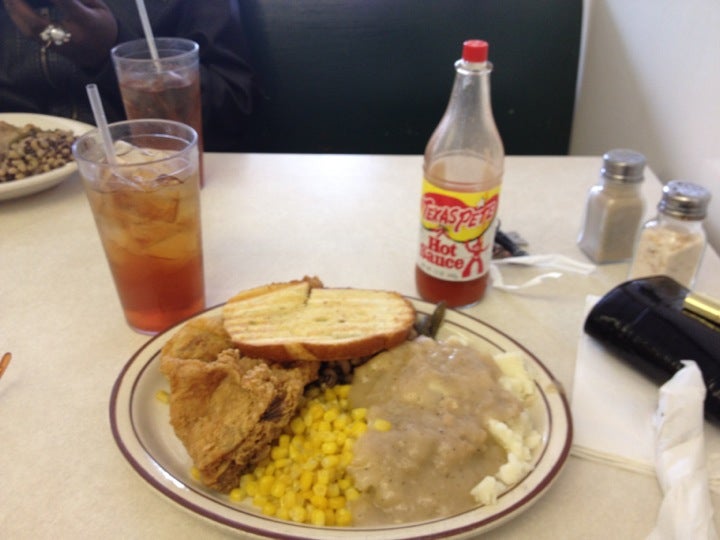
622, 418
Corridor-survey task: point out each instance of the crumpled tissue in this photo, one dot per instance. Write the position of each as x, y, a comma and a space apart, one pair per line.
686, 511
559, 264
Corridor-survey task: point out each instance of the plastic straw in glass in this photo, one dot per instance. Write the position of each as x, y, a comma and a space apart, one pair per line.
147, 29
101, 122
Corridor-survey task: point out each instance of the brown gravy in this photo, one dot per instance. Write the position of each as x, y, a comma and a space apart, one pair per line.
438, 398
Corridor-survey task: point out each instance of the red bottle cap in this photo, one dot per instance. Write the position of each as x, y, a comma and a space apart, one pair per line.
475, 50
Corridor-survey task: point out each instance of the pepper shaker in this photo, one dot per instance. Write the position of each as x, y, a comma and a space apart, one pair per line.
614, 208
673, 243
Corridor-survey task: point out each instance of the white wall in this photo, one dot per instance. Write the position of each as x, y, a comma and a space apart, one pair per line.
650, 80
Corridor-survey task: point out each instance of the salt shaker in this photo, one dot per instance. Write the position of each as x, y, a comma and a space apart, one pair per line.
673, 243
614, 208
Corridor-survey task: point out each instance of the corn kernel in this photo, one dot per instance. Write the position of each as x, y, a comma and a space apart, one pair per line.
352, 494
320, 489
340, 422
317, 517
245, 478
297, 425
382, 425
343, 517
278, 489
303, 479
282, 464
269, 509
316, 411
358, 428
319, 501
252, 488
265, 485
289, 499
162, 396
329, 448
284, 440
344, 483
306, 480
333, 490
342, 390
344, 459
323, 476
237, 494
298, 514
279, 452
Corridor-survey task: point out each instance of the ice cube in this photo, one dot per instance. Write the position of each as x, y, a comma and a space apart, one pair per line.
178, 246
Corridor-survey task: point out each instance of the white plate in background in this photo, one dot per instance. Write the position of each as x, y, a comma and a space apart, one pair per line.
40, 182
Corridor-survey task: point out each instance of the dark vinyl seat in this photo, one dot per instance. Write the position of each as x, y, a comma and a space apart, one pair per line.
374, 76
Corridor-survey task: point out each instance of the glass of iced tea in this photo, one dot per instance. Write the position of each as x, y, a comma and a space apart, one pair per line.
167, 88
146, 205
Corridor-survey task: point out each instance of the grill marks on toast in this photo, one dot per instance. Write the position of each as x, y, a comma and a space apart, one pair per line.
301, 321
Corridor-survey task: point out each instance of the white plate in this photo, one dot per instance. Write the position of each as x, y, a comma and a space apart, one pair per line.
40, 182
141, 429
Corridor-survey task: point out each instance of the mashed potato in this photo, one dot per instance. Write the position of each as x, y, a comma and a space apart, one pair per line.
457, 431
518, 437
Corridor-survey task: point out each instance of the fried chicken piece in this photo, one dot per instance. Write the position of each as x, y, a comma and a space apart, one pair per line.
228, 412
202, 339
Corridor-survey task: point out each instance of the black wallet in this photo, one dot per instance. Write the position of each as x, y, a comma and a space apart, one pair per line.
654, 324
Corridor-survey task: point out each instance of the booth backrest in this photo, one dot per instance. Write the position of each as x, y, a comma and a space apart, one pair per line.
374, 76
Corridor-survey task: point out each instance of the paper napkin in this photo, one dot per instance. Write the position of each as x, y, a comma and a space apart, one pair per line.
613, 407
557, 264
686, 510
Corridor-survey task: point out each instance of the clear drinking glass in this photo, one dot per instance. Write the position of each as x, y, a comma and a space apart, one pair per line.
167, 88
147, 211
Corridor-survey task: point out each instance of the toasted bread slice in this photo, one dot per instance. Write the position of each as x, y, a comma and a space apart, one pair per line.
300, 320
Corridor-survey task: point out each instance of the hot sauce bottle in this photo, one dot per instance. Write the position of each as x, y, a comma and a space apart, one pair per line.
463, 171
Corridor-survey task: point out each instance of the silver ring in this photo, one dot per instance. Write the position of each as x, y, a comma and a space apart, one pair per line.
54, 35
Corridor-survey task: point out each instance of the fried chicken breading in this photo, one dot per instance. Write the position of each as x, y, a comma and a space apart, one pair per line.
201, 339
228, 411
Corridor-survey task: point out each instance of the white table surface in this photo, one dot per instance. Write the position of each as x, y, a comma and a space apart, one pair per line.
351, 220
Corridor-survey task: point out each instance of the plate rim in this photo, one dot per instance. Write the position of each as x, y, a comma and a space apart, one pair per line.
40, 182
431, 529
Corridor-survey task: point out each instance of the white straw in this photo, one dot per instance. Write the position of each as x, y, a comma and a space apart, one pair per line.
147, 29
101, 122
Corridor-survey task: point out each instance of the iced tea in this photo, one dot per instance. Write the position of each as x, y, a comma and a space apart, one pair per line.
147, 211
167, 88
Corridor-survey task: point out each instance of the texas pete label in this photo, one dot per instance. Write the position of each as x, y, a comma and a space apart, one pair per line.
457, 232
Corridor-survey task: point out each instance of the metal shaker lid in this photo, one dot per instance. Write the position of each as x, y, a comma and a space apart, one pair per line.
623, 165
684, 200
